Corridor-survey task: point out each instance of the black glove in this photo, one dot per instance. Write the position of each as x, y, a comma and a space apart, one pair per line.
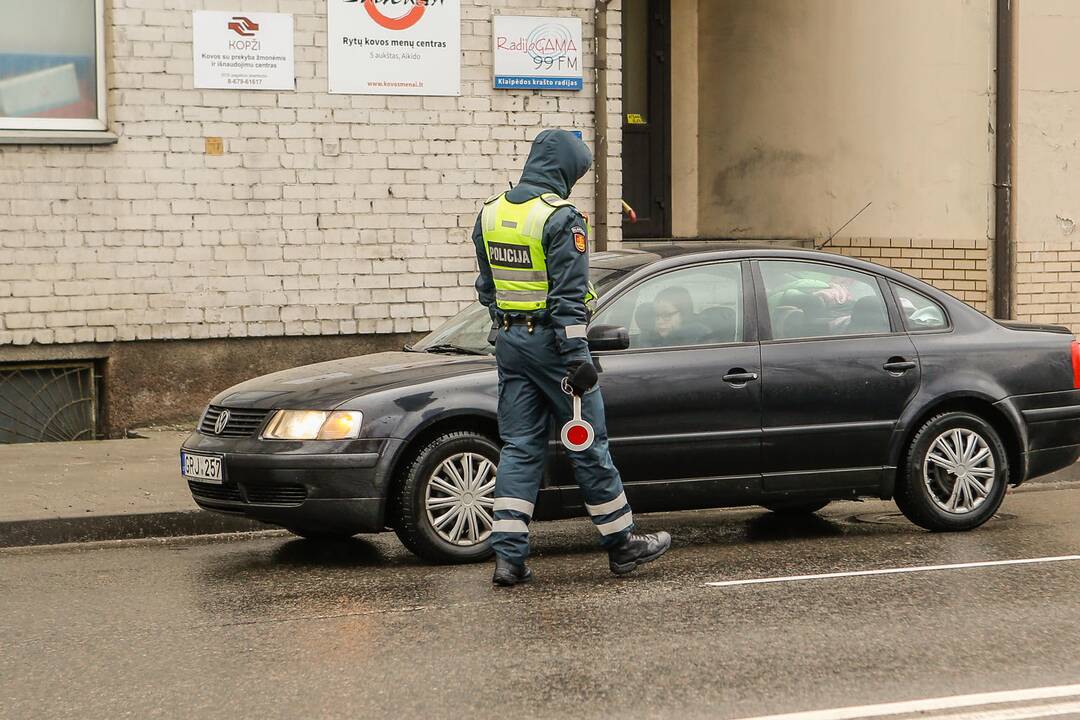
581, 376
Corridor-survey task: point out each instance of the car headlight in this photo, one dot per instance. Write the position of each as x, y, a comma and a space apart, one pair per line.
314, 425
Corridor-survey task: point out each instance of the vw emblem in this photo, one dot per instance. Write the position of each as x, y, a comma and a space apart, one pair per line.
222, 421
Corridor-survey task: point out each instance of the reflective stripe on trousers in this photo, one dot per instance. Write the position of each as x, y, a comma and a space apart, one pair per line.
612, 516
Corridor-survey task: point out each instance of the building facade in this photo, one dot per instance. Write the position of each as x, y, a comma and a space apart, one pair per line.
197, 237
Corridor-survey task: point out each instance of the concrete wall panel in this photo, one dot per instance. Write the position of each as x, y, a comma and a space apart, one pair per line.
809, 110
1048, 163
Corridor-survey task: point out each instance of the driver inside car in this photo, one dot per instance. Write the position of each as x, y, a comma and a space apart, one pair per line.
674, 323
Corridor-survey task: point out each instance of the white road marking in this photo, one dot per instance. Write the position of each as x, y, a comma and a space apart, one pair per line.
894, 571
1019, 713
931, 704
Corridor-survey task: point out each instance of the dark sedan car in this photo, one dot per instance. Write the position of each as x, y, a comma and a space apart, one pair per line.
732, 376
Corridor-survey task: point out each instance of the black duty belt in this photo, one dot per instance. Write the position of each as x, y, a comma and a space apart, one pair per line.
528, 321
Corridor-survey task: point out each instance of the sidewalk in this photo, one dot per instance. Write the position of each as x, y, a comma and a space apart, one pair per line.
101, 490
118, 489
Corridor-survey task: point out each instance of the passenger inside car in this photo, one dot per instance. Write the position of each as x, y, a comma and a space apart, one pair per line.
806, 304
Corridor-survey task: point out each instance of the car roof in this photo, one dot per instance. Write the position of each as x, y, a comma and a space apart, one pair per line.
638, 254
658, 256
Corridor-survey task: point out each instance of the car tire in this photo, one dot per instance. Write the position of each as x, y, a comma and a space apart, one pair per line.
795, 507
420, 501
927, 488
316, 535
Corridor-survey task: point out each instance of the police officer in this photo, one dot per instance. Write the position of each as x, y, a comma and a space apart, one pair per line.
532, 249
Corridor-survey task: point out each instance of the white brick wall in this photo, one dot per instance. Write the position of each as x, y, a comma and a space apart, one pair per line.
327, 214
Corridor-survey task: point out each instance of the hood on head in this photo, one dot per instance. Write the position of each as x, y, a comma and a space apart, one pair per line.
557, 160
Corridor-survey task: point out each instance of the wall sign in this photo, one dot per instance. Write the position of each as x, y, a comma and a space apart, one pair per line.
244, 50
394, 47
537, 53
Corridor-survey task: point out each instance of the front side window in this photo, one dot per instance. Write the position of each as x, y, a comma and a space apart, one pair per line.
701, 305
810, 300
51, 74
919, 312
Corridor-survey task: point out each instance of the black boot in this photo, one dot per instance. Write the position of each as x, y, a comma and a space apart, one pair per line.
637, 550
508, 573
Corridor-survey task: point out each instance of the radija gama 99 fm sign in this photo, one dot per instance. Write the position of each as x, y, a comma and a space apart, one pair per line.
394, 47
243, 50
537, 53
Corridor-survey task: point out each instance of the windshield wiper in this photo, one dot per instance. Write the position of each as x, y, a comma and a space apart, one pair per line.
451, 348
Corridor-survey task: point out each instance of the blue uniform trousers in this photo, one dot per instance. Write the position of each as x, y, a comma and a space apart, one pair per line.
530, 395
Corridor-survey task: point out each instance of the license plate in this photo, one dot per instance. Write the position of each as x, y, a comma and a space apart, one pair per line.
204, 468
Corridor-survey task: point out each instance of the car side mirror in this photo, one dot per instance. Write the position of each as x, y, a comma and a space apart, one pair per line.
608, 337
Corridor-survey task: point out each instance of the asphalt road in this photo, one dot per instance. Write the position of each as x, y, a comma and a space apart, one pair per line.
273, 627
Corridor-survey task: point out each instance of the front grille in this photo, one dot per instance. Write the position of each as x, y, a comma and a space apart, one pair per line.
287, 494
276, 494
242, 423
211, 491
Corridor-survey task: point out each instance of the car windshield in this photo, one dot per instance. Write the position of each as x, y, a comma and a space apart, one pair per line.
467, 332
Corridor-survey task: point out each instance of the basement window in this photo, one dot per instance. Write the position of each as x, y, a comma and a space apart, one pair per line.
48, 402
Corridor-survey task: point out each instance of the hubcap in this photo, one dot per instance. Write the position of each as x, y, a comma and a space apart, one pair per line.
460, 499
959, 471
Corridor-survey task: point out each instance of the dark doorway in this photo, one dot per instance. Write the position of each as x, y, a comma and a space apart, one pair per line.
647, 117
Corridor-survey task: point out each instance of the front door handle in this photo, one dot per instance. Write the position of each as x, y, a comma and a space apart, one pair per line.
739, 376
899, 365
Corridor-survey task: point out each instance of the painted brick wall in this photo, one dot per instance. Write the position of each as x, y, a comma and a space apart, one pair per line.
959, 267
327, 214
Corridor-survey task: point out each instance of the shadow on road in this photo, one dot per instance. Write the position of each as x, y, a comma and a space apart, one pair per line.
772, 526
353, 552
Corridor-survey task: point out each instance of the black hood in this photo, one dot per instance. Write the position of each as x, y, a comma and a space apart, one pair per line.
557, 160
326, 385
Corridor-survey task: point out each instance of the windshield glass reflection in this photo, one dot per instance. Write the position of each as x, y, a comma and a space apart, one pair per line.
468, 330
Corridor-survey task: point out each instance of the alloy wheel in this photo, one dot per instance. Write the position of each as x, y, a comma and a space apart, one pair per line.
460, 499
959, 471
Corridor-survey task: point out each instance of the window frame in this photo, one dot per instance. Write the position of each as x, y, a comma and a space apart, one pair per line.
765, 331
949, 327
100, 123
749, 307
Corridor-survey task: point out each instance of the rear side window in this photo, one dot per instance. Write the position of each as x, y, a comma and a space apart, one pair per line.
919, 312
811, 300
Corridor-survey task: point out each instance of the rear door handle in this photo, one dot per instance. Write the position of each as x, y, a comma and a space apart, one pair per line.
738, 376
899, 365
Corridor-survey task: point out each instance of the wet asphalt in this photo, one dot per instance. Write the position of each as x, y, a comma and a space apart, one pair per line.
274, 627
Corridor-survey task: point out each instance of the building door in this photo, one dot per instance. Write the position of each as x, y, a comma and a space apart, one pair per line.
646, 117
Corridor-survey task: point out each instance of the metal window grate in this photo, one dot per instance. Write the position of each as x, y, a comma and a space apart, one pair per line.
48, 402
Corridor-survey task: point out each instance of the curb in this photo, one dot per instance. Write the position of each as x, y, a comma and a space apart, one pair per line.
53, 531
181, 523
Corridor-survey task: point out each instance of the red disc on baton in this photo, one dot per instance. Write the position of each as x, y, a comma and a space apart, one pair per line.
577, 434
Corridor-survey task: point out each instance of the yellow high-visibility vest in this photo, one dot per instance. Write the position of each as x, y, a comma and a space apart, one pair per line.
514, 244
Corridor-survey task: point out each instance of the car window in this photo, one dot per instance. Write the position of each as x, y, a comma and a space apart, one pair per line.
694, 306
919, 312
808, 300
469, 328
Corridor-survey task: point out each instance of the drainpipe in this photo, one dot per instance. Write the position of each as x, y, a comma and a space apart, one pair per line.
601, 215
1005, 159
